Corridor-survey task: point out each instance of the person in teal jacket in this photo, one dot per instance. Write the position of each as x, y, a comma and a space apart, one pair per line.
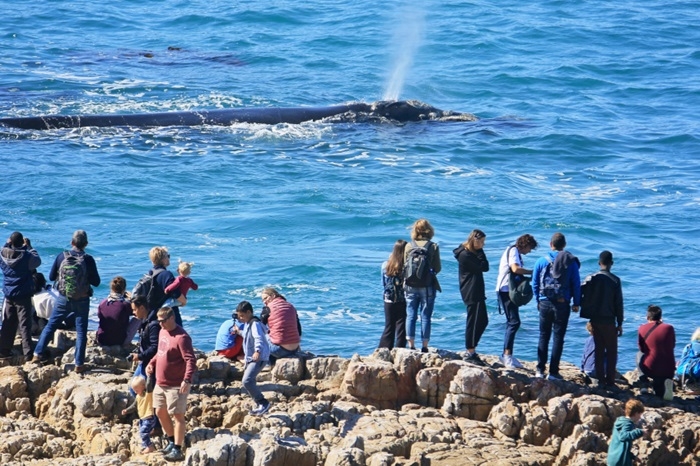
624, 433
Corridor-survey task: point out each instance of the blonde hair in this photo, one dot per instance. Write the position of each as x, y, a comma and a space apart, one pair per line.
158, 254
270, 293
696, 335
184, 268
422, 230
165, 312
137, 381
474, 236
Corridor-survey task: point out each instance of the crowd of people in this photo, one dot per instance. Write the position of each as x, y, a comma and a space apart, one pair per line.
164, 356
557, 288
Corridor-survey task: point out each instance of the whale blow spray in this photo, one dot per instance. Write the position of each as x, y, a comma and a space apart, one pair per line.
407, 37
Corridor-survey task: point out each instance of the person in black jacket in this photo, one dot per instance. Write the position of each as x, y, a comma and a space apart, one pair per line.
18, 261
472, 265
603, 293
148, 333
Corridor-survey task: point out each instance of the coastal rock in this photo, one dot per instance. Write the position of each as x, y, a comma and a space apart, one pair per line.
222, 450
373, 382
14, 392
289, 369
471, 394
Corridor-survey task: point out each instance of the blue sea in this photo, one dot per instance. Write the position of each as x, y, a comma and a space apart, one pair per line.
589, 124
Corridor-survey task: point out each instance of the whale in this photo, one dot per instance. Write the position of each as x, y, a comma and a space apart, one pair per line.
401, 111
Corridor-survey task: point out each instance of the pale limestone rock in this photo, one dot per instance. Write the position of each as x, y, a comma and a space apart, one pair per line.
507, 417
373, 382
221, 450
596, 412
346, 457
289, 369
271, 450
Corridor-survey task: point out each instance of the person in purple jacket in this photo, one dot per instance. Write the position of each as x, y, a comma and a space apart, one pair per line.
114, 313
18, 261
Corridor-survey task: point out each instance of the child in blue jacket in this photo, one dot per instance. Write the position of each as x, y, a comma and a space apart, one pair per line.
624, 433
257, 353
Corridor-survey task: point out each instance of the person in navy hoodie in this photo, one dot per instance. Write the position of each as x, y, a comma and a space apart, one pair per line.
160, 258
18, 261
79, 305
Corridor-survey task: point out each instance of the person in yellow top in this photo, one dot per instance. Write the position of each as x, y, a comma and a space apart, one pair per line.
143, 405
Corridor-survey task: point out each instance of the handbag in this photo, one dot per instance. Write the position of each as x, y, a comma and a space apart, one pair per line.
519, 289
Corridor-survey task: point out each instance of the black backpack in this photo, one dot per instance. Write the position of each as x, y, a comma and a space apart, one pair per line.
72, 279
416, 270
146, 286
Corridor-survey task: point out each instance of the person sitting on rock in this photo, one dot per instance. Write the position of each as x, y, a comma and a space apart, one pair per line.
229, 342
257, 353
143, 404
114, 313
283, 324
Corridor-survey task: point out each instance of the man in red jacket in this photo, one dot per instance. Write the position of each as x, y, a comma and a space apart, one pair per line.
174, 366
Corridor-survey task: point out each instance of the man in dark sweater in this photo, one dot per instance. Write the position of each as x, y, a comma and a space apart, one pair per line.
603, 292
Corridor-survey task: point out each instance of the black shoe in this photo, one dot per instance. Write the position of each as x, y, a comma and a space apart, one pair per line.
474, 359
5, 354
424, 350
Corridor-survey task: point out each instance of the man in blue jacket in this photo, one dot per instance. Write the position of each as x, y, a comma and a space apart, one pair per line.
556, 281
74, 291
18, 261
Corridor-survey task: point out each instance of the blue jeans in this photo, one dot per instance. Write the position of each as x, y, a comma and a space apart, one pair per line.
252, 369
512, 313
63, 308
554, 318
277, 352
146, 426
423, 300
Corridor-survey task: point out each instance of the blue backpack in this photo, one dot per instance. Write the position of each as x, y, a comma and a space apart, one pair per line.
551, 287
688, 369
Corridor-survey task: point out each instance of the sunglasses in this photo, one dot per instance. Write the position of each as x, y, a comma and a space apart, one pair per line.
160, 321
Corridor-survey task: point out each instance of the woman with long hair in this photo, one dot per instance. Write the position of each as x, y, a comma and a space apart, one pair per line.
472, 265
421, 298
394, 299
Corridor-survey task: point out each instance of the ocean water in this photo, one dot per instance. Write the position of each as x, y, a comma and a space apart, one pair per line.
589, 125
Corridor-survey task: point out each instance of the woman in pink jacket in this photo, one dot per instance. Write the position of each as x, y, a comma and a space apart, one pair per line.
283, 323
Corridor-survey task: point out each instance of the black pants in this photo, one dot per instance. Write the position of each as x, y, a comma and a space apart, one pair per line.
394, 326
477, 320
605, 338
17, 312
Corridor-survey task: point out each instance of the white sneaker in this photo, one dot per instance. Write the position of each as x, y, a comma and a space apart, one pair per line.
507, 361
539, 375
517, 364
668, 390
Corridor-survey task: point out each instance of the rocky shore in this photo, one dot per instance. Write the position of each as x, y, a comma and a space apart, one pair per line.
396, 407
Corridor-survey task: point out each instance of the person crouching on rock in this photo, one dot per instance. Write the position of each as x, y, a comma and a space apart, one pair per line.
143, 404
257, 353
173, 365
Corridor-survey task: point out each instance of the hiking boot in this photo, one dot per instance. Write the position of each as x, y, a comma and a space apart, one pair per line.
39, 360
668, 390
174, 455
168, 448
261, 409
81, 369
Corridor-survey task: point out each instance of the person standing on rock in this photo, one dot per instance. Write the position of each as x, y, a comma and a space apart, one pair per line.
174, 366
149, 330
604, 299
512, 262
18, 261
257, 353
394, 299
421, 289
555, 282
74, 273
472, 265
